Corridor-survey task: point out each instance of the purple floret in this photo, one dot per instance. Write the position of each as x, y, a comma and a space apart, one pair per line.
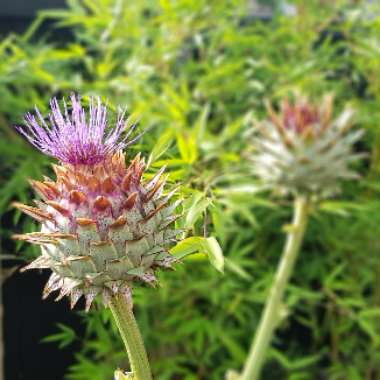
74, 137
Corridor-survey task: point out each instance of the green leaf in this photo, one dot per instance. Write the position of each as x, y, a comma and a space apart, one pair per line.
214, 252
185, 247
208, 246
64, 338
296, 364
161, 146
236, 268
233, 347
201, 124
194, 207
340, 207
187, 146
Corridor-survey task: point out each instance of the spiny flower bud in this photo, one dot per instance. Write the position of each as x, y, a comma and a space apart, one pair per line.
103, 227
303, 150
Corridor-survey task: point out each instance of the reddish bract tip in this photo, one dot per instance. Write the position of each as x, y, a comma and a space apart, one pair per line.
108, 186
131, 200
77, 197
125, 185
102, 203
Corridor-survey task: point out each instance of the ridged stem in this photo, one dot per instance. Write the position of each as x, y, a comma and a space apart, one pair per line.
272, 311
130, 333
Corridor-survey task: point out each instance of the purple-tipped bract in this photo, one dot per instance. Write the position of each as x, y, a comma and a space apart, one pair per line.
72, 136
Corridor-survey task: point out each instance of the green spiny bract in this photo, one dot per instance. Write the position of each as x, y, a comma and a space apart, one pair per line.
303, 150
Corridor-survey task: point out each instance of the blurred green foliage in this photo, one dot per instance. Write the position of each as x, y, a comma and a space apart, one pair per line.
198, 72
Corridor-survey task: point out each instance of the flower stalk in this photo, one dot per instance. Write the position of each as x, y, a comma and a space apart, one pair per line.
272, 311
123, 314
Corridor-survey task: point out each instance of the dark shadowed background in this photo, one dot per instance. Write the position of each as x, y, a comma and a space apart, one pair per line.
28, 319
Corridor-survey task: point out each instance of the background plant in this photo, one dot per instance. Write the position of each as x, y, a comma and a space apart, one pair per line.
197, 72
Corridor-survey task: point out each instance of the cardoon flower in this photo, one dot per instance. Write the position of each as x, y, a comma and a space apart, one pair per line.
102, 226
303, 150
75, 138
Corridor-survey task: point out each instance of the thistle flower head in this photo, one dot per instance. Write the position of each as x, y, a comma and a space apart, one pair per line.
302, 149
72, 136
102, 226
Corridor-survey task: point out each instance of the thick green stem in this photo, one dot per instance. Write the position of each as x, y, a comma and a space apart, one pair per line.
130, 333
272, 311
